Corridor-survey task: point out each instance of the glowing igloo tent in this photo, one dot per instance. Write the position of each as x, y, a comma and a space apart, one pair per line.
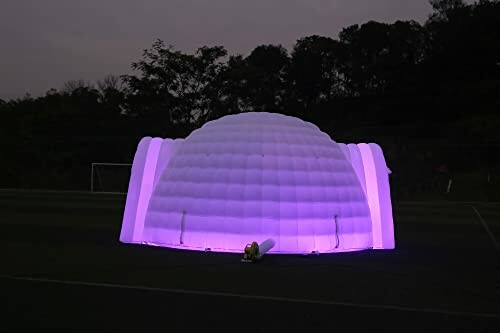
257, 176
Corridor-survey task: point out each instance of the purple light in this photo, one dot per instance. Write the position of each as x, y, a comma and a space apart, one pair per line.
146, 186
372, 193
258, 176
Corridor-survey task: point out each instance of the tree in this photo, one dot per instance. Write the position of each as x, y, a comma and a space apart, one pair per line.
464, 42
110, 82
173, 87
443, 9
72, 85
232, 81
382, 57
262, 78
204, 90
112, 95
317, 71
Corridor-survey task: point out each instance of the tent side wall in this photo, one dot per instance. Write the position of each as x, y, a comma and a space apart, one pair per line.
384, 196
151, 158
369, 164
134, 191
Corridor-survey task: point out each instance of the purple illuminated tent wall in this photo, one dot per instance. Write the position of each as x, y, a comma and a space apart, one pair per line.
257, 176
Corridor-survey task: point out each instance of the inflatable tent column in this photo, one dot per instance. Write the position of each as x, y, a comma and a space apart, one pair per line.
151, 158
369, 164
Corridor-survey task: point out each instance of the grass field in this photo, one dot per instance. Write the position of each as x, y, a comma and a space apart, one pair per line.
63, 268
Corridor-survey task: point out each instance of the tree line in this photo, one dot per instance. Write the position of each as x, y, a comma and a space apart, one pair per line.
427, 92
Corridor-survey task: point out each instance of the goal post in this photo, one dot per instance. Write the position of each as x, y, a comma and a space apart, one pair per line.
109, 178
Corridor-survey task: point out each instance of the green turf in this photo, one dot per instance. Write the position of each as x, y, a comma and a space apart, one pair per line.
444, 260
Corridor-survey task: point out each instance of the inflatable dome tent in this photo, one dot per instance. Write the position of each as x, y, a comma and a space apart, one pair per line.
259, 176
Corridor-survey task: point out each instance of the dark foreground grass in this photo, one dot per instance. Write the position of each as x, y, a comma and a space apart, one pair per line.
444, 275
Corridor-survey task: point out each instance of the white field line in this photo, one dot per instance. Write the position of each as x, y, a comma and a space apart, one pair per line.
488, 231
41, 191
29, 190
444, 203
254, 297
114, 193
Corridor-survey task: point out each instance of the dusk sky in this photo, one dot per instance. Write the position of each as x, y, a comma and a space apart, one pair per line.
45, 43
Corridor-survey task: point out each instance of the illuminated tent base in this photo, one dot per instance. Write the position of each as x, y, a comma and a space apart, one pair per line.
257, 176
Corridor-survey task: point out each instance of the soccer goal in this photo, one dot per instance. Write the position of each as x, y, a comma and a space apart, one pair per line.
109, 178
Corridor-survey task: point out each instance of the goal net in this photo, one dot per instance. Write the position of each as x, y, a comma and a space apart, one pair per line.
110, 177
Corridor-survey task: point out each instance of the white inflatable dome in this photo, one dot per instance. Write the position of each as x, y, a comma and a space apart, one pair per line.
258, 176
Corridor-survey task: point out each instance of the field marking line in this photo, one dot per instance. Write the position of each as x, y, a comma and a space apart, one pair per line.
42, 191
444, 203
487, 228
252, 297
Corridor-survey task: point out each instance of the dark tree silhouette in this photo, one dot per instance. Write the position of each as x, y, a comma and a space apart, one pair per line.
317, 71
264, 84
427, 93
173, 87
